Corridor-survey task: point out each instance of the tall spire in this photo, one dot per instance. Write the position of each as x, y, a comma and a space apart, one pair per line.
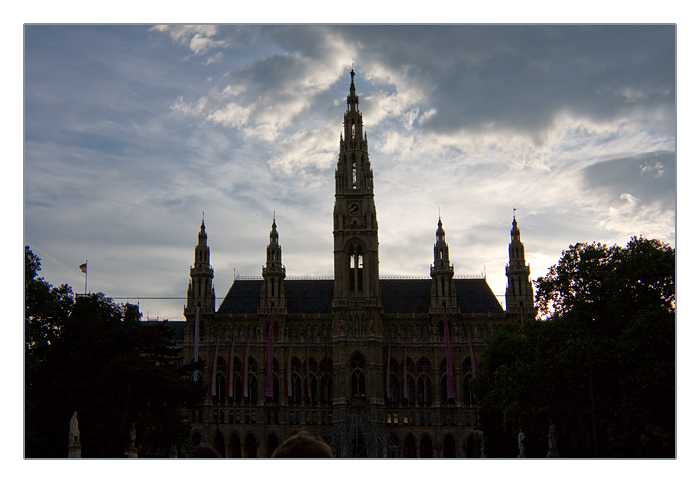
519, 293
355, 229
200, 292
272, 292
353, 101
443, 288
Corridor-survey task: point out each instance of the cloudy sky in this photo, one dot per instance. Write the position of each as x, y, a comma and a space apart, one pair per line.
131, 132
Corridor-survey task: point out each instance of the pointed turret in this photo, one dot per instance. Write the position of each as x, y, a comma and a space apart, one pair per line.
273, 272
442, 273
519, 294
200, 292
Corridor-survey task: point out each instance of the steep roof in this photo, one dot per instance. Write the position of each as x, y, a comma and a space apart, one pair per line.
312, 296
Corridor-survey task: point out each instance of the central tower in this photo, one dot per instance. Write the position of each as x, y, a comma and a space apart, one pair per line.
355, 230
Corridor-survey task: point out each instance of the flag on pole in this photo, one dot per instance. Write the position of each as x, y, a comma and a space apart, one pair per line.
269, 391
245, 367
215, 365
230, 365
83, 268
448, 356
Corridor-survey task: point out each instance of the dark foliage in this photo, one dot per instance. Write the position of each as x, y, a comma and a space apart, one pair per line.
98, 359
600, 363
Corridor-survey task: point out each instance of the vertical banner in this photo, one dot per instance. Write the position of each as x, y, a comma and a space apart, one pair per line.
245, 367
471, 352
448, 356
230, 363
405, 369
289, 368
196, 341
269, 392
215, 365
388, 373
307, 391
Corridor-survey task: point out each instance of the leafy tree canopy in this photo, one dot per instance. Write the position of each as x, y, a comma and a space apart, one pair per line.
99, 359
599, 363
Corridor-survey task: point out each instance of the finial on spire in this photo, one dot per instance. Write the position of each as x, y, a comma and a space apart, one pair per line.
514, 212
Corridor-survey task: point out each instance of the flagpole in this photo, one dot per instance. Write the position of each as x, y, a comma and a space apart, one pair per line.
83, 268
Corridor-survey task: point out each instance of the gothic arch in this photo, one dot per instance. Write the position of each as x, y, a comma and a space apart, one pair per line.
426, 446
196, 439
272, 442
250, 446
358, 364
409, 446
234, 442
219, 444
449, 446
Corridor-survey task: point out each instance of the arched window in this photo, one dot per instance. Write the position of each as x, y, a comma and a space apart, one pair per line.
426, 447
356, 264
234, 446
196, 438
466, 390
275, 380
394, 389
252, 380
297, 379
272, 443
219, 444
313, 388
236, 381
409, 447
252, 388
326, 371
357, 378
251, 446
411, 386
220, 387
424, 385
449, 447
393, 395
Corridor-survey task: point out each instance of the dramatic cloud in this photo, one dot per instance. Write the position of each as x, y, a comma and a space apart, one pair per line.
131, 132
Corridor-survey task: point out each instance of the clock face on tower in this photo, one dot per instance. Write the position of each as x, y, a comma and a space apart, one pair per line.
355, 208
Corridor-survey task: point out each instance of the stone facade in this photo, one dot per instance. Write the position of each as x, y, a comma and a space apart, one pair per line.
389, 359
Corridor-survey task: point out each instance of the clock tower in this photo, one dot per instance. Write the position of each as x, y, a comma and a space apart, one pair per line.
355, 231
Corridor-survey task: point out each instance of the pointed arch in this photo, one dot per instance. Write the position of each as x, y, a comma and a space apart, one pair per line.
234, 442
250, 448
449, 447
326, 382
272, 443
426, 447
219, 444
358, 364
409, 446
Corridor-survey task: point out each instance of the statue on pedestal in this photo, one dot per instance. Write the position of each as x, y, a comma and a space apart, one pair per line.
521, 444
132, 435
552, 441
74, 432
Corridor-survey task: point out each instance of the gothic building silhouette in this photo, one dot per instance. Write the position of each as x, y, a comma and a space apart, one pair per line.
377, 367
